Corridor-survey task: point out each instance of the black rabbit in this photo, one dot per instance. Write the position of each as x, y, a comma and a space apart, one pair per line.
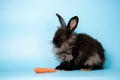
77, 51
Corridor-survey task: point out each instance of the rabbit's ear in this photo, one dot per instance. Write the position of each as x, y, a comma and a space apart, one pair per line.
72, 24
62, 22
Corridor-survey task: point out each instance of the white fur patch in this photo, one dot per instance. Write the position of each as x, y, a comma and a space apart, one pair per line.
95, 59
56, 50
63, 56
69, 57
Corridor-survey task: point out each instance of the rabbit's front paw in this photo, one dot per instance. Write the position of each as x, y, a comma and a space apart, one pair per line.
59, 68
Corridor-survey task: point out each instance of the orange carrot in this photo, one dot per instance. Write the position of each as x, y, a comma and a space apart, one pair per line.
44, 70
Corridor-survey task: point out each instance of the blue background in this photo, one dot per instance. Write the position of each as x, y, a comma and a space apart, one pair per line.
28, 26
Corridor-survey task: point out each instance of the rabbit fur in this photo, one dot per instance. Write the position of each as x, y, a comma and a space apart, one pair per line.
76, 50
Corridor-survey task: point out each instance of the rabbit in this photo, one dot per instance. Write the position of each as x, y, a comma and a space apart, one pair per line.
76, 51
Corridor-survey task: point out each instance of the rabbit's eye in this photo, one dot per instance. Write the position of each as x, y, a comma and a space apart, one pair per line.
63, 37
57, 42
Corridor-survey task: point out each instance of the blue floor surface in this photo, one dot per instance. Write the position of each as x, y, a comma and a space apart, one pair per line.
62, 75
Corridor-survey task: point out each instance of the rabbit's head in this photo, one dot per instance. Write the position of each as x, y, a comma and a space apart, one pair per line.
64, 31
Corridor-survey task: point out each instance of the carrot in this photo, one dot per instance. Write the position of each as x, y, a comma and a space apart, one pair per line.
44, 70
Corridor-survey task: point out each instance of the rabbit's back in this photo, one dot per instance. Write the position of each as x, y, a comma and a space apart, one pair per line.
88, 51
87, 42
89, 45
